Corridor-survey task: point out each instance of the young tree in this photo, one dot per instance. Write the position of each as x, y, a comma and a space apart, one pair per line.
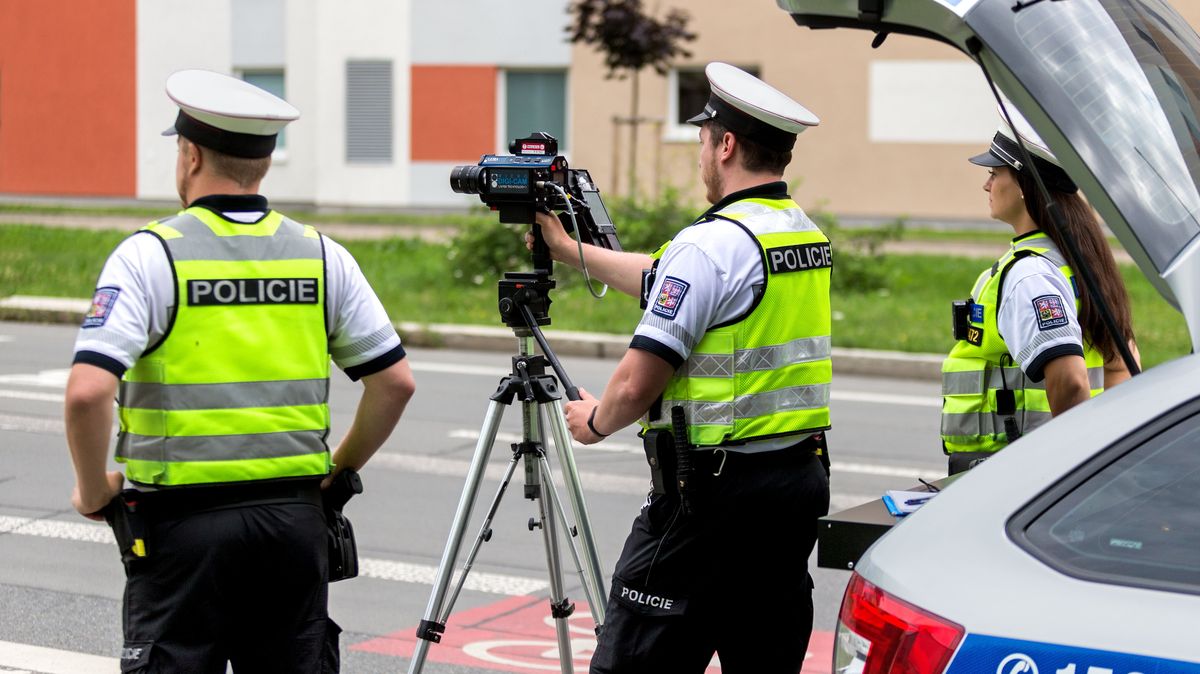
630, 40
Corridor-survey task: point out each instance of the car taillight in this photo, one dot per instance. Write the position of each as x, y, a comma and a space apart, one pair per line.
880, 634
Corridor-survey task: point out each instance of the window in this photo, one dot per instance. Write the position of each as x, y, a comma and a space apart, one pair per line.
271, 81
369, 111
535, 101
688, 91
1131, 519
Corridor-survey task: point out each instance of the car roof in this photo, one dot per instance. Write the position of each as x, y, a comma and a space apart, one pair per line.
954, 558
1109, 86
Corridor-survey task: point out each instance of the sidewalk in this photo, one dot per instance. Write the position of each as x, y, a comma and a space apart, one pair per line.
69, 311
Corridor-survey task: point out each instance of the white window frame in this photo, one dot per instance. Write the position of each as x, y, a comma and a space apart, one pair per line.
672, 131
280, 154
502, 141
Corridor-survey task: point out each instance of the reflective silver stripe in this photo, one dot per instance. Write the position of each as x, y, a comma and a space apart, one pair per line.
1040, 339
220, 447
974, 424
708, 365
960, 425
671, 328
241, 248
1096, 377
781, 355
750, 214
1013, 379
962, 383
291, 393
774, 357
199, 243
363, 345
815, 396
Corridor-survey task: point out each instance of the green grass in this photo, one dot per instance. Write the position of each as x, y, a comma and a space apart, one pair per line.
414, 281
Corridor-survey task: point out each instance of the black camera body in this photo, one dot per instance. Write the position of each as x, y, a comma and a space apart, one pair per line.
521, 184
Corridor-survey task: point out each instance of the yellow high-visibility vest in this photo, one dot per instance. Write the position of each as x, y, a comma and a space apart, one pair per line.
238, 388
768, 373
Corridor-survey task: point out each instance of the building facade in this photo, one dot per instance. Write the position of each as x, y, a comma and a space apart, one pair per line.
394, 93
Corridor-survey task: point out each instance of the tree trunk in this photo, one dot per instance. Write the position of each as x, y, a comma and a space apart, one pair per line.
633, 129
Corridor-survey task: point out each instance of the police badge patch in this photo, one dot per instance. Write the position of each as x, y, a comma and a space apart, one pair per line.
670, 296
1050, 312
102, 304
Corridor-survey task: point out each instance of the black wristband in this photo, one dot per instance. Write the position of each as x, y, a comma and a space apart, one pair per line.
592, 424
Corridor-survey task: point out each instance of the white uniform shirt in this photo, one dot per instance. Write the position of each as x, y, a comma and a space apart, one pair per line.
1037, 318
709, 275
136, 289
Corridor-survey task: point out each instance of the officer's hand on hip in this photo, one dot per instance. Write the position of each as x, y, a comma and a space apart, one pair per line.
578, 413
90, 499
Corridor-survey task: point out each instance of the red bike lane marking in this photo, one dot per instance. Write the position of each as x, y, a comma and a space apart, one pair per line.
517, 635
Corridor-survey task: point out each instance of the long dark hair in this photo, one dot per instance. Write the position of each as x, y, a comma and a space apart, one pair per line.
1080, 224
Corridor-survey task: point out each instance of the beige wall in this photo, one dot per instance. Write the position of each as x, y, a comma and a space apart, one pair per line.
835, 164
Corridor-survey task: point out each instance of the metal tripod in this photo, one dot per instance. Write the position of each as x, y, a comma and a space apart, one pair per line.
537, 391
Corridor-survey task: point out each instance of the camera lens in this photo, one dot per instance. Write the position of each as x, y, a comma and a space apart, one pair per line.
466, 179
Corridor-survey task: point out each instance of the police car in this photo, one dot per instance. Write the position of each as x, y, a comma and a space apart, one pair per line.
1076, 550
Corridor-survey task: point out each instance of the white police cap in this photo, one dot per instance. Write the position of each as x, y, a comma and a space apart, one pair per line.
1005, 151
227, 114
750, 107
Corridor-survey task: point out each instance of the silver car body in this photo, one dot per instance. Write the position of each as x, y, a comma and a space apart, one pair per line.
1118, 104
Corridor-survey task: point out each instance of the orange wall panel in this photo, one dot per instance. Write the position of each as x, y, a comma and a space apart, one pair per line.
68, 105
453, 112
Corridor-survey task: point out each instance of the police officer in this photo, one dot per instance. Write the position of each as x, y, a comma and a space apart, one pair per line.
735, 345
213, 329
1031, 342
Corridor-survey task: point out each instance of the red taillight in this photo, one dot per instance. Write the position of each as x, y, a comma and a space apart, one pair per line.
880, 634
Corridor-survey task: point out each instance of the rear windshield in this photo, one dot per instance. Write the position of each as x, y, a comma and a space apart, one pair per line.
1136, 521
1122, 80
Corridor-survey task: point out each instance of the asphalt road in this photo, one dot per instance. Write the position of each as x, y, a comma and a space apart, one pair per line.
61, 582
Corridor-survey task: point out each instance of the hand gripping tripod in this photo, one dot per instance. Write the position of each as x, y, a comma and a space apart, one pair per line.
524, 305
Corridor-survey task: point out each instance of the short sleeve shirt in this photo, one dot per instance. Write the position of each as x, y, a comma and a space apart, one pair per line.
710, 274
1037, 318
135, 292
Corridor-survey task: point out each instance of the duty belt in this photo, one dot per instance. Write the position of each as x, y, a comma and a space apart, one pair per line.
711, 462
182, 501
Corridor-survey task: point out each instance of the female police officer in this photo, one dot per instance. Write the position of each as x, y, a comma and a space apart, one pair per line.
1031, 340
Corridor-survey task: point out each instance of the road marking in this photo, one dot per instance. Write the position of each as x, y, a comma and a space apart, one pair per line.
12, 422
889, 471
53, 661
430, 465
48, 378
32, 395
609, 446
509, 438
846, 396
381, 569
886, 398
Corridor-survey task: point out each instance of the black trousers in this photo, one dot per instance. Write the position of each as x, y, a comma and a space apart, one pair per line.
731, 578
245, 585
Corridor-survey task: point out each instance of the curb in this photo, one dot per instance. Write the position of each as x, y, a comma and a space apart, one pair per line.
865, 362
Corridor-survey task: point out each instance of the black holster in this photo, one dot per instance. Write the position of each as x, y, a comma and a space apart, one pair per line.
343, 551
128, 524
659, 446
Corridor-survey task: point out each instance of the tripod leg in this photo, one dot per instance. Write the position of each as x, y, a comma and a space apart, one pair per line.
588, 590
562, 443
560, 609
434, 622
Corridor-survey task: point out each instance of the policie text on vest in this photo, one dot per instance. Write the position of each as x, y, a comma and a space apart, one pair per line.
203, 292
800, 257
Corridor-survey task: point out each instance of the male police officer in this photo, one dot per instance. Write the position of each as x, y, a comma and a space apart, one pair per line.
217, 326
736, 338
